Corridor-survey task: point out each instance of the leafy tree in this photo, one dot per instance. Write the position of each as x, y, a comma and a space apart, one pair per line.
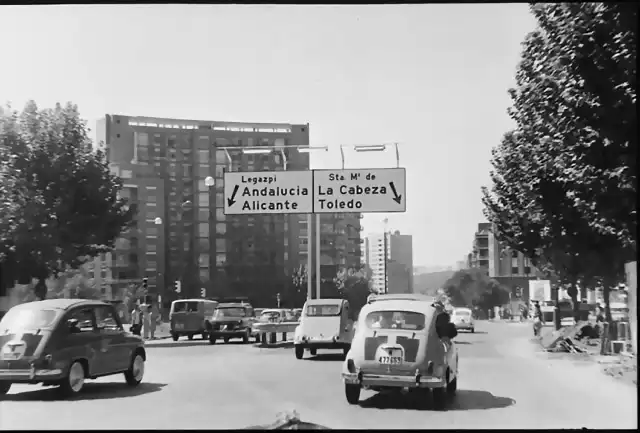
69, 209
472, 287
559, 176
354, 286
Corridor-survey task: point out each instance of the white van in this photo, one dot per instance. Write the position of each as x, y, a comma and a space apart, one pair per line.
324, 324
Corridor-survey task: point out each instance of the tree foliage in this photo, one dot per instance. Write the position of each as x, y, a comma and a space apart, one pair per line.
354, 286
473, 288
65, 208
564, 181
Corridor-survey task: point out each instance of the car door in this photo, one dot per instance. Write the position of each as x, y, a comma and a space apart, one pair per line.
82, 340
114, 339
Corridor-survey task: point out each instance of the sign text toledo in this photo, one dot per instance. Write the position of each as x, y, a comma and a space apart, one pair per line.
274, 192
362, 190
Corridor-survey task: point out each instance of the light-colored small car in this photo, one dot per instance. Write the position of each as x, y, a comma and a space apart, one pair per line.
462, 318
324, 324
402, 343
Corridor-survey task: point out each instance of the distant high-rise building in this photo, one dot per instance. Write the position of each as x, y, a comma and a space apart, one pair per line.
398, 266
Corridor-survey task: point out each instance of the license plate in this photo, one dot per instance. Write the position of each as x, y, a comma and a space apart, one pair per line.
390, 360
179, 326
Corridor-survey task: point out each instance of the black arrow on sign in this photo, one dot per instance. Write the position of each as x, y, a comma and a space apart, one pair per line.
397, 198
231, 201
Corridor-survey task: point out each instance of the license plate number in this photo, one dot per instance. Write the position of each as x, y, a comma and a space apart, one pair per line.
179, 326
390, 360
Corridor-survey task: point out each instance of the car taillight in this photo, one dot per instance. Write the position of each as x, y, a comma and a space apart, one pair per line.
430, 368
351, 366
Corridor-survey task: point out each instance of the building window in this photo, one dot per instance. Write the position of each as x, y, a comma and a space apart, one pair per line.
203, 199
203, 214
151, 264
171, 142
203, 157
203, 244
527, 270
514, 270
221, 228
221, 259
221, 245
151, 213
204, 274
219, 171
202, 187
221, 157
152, 231
203, 260
203, 230
220, 216
219, 201
151, 199
151, 248
187, 170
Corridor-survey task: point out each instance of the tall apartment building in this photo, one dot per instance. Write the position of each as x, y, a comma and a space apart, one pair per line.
399, 263
163, 164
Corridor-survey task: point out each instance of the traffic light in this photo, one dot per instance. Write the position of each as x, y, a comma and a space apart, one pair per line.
178, 286
145, 283
278, 299
203, 292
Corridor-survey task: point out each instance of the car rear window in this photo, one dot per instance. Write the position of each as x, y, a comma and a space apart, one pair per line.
185, 307
462, 313
230, 312
323, 310
409, 320
27, 318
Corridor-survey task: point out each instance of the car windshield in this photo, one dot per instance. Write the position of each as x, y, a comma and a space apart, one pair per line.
409, 320
323, 310
185, 307
270, 314
230, 312
27, 318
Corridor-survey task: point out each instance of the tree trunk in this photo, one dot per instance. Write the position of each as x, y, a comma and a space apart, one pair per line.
573, 293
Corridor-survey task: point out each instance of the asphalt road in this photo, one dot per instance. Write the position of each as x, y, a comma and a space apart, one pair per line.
503, 383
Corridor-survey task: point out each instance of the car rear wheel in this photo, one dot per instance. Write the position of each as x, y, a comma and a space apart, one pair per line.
245, 337
4, 387
352, 392
212, 339
226, 340
134, 375
175, 337
257, 336
473, 330
299, 352
205, 336
74, 382
313, 352
190, 337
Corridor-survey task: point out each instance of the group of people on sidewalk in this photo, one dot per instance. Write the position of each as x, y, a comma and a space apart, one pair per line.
144, 320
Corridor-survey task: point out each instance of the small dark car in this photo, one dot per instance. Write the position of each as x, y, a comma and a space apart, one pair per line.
63, 342
232, 320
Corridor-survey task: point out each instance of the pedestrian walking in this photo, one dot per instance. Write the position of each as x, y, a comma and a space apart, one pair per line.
136, 320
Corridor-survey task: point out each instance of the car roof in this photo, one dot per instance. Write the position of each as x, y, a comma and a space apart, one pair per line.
461, 309
193, 300
325, 301
401, 305
232, 305
61, 304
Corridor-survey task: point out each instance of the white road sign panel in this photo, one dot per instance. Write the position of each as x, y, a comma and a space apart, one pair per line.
363, 190
268, 192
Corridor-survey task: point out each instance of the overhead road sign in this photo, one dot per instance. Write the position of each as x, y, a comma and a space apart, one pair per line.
362, 190
268, 192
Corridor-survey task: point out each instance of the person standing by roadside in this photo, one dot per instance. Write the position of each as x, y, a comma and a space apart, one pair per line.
153, 318
136, 320
146, 322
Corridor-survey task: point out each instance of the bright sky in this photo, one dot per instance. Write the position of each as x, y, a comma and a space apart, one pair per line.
431, 77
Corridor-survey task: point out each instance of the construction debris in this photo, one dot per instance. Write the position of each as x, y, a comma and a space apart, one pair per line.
289, 420
572, 339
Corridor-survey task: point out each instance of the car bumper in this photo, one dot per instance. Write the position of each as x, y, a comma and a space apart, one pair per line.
322, 344
372, 380
464, 325
31, 375
227, 333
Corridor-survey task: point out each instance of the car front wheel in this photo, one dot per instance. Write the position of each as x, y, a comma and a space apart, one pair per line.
438, 395
4, 387
175, 337
299, 352
134, 375
74, 382
352, 392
